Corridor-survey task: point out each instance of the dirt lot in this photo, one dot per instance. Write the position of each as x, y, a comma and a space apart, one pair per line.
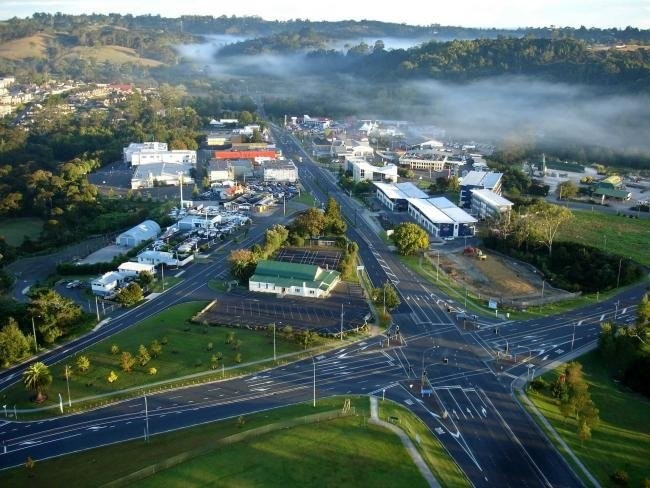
495, 277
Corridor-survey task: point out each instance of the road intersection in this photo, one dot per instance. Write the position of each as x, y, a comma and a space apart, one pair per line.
457, 381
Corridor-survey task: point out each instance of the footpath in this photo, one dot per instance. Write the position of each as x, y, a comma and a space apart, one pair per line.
408, 444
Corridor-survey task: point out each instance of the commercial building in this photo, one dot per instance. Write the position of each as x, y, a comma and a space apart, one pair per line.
140, 233
161, 174
135, 147
362, 170
163, 257
611, 187
285, 171
487, 205
395, 196
220, 170
441, 218
295, 279
154, 157
106, 284
134, 269
482, 180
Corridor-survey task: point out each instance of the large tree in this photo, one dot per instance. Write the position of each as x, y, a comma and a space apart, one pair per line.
37, 378
242, 264
13, 344
310, 222
410, 238
53, 314
543, 220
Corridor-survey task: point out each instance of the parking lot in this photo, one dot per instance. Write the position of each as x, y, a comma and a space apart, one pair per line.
249, 309
325, 258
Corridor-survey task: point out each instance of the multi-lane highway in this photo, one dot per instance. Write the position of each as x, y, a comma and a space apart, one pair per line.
457, 381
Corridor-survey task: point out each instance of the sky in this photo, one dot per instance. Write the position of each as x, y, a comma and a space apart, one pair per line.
469, 13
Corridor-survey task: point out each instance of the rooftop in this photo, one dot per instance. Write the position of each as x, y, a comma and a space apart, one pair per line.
292, 274
490, 197
400, 190
481, 178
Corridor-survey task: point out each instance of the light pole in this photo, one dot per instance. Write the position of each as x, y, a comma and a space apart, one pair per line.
274, 356
314, 363
573, 336
438, 265
146, 419
67, 383
618, 278
34, 331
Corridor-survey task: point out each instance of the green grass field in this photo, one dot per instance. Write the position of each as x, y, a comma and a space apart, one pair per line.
15, 230
342, 452
108, 463
25, 47
185, 353
622, 438
114, 54
441, 464
618, 235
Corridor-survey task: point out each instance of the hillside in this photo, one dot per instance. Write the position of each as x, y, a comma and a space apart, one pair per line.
25, 47
113, 54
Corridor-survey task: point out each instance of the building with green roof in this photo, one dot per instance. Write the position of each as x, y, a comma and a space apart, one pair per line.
304, 280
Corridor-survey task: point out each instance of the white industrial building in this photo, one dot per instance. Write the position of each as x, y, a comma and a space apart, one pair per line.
395, 195
163, 257
362, 170
220, 170
486, 204
179, 156
134, 269
140, 233
441, 218
190, 222
280, 171
135, 147
106, 284
163, 174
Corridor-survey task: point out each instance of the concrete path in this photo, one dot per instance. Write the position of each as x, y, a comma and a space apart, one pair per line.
410, 448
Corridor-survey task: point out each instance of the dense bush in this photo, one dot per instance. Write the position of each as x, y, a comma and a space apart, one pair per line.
573, 266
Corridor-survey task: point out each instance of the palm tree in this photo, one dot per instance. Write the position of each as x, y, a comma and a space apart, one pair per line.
37, 377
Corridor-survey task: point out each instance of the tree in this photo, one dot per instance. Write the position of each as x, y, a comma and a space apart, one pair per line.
111, 377
143, 355
245, 117
544, 220
37, 378
238, 358
410, 238
13, 344
83, 364
145, 278
155, 348
386, 294
127, 361
242, 264
152, 371
566, 189
54, 314
115, 349
130, 294
310, 223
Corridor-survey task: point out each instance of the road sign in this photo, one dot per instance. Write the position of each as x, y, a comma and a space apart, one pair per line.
492, 303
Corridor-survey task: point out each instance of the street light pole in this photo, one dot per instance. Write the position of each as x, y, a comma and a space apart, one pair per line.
146, 419
573, 336
438, 265
67, 383
314, 363
34, 331
274, 356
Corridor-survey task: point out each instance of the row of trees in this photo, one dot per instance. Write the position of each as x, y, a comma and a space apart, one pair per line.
625, 349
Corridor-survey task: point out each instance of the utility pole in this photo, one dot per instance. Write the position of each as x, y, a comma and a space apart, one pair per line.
274, 356
342, 317
573, 336
67, 383
438, 265
146, 420
97, 308
162, 273
34, 331
314, 363
618, 278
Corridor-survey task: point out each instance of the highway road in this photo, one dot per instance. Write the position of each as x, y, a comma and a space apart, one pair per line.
459, 382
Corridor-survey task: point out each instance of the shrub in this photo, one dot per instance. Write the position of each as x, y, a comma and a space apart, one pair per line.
209, 347
115, 349
238, 358
620, 477
112, 377
153, 371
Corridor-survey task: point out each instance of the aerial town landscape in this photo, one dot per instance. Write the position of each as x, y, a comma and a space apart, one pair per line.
291, 246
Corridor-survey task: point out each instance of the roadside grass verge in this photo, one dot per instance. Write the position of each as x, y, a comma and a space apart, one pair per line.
621, 441
434, 454
108, 463
14, 231
477, 303
347, 451
187, 349
612, 233
157, 286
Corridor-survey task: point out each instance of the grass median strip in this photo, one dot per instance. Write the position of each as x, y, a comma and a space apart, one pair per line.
186, 349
